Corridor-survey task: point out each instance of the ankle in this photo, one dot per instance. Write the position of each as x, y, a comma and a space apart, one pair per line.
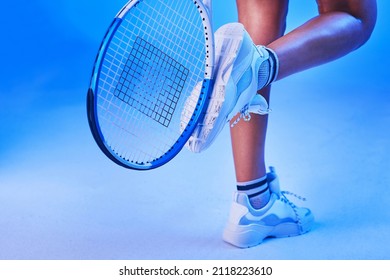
269, 68
257, 191
259, 202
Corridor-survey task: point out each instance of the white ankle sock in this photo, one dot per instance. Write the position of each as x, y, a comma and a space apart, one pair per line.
257, 191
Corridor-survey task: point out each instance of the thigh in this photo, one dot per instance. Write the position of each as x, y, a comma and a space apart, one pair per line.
265, 20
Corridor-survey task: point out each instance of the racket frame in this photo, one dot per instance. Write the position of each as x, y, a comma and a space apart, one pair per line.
205, 8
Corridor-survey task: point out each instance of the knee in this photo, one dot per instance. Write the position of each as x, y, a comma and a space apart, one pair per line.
364, 12
265, 20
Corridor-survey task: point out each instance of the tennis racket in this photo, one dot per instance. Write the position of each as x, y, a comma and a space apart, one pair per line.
151, 81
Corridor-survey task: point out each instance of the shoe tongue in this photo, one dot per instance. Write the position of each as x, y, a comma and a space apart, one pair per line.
273, 183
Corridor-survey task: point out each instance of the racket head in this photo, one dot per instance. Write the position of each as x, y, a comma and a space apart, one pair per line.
151, 81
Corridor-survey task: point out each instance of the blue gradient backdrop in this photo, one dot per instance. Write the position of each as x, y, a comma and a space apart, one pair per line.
61, 198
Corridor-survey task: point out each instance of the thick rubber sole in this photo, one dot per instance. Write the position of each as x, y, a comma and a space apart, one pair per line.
252, 235
228, 42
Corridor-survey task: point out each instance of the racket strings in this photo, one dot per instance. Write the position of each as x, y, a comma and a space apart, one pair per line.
153, 62
158, 93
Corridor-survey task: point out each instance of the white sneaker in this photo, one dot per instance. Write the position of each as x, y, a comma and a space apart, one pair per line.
241, 70
248, 227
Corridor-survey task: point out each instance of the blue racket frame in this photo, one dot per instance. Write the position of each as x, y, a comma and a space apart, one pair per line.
198, 113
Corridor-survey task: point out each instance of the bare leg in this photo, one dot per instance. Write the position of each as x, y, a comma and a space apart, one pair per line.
265, 24
341, 27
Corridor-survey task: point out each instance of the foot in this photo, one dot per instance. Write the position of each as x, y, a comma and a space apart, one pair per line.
248, 227
241, 70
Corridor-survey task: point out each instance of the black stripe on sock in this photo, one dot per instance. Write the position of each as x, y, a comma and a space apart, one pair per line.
258, 193
251, 186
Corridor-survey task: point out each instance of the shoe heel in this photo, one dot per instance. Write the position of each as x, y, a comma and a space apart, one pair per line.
245, 236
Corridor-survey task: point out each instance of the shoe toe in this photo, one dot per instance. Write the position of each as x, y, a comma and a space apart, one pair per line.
306, 218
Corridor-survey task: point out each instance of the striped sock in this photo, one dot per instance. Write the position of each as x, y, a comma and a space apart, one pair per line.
257, 191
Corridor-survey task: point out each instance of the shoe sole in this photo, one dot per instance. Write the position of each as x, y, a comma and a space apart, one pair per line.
230, 38
254, 234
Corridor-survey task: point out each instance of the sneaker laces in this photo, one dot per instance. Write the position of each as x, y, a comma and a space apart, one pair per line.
293, 194
284, 199
258, 105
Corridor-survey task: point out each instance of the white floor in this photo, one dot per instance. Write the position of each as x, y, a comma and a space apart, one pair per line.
329, 139
60, 198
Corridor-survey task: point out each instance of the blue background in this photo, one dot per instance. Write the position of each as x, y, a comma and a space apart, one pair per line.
61, 198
